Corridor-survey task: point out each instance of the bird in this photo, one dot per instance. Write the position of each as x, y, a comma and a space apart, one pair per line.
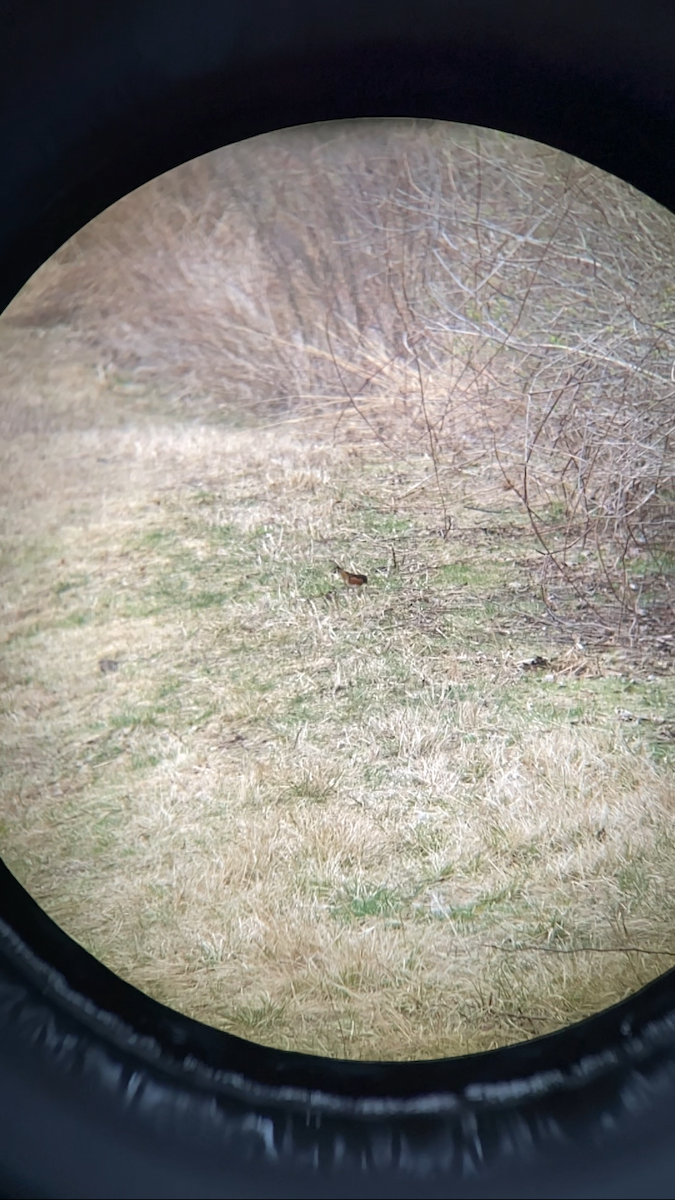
351, 578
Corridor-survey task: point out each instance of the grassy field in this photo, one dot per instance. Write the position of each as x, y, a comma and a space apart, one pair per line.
413, 819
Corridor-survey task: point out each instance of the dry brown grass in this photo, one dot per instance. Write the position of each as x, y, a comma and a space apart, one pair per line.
348, 823
420, 818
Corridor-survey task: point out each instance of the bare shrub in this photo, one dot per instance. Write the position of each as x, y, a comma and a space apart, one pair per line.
484, 299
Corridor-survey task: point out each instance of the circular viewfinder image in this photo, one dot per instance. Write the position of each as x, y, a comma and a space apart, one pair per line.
338, 503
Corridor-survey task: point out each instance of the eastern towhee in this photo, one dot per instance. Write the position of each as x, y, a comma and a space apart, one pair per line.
351, 577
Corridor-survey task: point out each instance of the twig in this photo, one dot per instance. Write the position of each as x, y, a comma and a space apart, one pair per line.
575, 949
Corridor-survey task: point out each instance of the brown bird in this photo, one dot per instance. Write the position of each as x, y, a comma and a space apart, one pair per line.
351, 577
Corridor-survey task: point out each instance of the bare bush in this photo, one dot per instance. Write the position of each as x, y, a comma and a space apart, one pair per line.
458, 290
